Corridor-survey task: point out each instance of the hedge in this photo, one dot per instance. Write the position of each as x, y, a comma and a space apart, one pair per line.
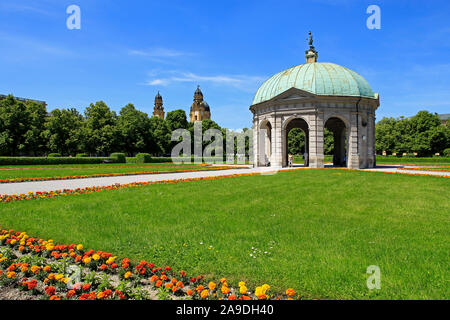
55, 160
118, 157
143, 158
54, 155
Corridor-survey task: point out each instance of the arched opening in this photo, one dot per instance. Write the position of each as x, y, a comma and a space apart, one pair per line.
336, 141
265, 143
296, 142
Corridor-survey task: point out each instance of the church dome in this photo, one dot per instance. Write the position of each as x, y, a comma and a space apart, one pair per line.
319, 78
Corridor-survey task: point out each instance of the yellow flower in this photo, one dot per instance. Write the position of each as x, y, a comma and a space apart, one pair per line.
127, 275
259, 291
241, 284
265, 287
110, 260
204, 294
211, 285
79, 247
225, 289
59, 276
243, 289
96, 257
87, 260
13, 241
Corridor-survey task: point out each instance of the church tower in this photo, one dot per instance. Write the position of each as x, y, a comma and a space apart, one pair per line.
158, 110
200, 108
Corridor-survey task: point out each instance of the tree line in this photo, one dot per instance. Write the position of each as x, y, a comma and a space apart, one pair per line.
423, 134
27, 129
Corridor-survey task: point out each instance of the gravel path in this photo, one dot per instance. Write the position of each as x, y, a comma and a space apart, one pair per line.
24, 187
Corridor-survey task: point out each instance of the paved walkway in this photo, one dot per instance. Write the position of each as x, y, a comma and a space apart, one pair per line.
24, 187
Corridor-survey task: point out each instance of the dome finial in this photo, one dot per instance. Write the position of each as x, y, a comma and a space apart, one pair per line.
311, 53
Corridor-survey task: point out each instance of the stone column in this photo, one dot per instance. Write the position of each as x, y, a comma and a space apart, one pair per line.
353, 160
316, 156
371, 140
256, 146
284, 147
276, 157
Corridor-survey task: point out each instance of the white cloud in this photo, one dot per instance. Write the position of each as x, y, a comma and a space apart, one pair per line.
158, 53
238, 81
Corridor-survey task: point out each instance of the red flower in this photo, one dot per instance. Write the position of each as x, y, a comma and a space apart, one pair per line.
70, 293
86, 287
50, 290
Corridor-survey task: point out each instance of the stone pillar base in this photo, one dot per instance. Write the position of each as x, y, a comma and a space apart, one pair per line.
316, 161
353, 163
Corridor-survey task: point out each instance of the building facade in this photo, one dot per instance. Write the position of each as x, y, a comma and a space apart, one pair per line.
158, 109
312, 97
199, 109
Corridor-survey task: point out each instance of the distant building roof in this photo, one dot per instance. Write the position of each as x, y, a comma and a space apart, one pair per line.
2, 96
444, 116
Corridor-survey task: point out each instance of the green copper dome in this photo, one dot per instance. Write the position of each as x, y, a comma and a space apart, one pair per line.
320, 78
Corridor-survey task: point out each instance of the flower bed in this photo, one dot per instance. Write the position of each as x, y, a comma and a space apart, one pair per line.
442, 169
97, 175
46, 270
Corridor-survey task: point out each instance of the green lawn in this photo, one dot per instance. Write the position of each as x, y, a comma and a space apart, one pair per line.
321, 229
78, 170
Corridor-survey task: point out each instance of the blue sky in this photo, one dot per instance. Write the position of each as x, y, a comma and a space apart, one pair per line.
126, 51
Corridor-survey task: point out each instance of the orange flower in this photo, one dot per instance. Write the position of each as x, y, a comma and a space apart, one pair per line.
158, 283
168, 285
211, 285
290, 292
153, 278
200, 288
190, 292
86, 287
70, 293
204, 294
231, 297
50, 290
225, 290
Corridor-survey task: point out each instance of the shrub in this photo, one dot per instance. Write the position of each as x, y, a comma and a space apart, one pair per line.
81, 155
118, 157
447, 152
143, 158
52, 160
54, 155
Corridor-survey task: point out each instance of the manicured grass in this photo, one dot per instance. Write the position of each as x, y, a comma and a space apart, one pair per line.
321, 229
78, 170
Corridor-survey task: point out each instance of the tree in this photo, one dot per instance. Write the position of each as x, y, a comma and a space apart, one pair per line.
14, 124
35, 140
161, 135
100, 130
134, 127
177, 119
64, 131
296, 141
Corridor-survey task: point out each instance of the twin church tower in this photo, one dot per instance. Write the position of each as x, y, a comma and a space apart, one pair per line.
199, 109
